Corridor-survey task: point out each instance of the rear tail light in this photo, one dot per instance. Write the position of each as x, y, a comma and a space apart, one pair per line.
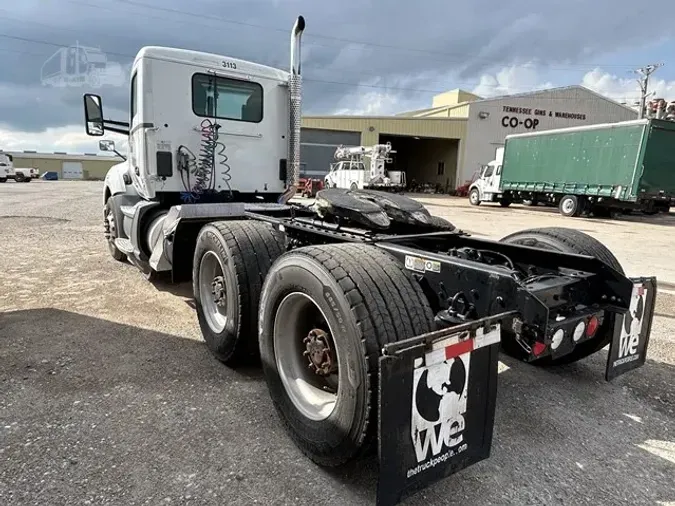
557, 339
592, 326
538, 348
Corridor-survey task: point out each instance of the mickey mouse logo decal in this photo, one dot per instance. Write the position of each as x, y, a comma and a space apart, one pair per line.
439, 405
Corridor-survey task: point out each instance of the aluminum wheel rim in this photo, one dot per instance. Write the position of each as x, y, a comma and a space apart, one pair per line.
210, 269
568, 206
474, 197
313, 395
110, 228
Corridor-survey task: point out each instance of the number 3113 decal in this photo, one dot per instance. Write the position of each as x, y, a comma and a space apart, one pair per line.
229, 65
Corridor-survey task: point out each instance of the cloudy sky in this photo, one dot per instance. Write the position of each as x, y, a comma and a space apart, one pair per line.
359, 56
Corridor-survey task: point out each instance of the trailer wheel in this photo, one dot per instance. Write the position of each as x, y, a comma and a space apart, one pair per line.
231, 261
110, 227
19, 177
569, 205
325, 313
474, 197
3, 179
567, 240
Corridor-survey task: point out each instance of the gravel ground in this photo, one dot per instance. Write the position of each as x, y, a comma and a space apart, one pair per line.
108, 396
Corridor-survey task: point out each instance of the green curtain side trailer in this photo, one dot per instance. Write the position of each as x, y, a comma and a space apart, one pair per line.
597, 168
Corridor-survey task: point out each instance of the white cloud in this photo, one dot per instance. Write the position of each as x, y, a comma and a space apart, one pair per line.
71, 139
510, 80
372, 103
626, 89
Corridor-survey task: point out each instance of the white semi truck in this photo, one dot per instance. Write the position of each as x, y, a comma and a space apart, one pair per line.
377, 324
350, 170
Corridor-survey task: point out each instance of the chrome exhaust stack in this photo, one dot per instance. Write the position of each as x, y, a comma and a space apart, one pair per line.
295, 88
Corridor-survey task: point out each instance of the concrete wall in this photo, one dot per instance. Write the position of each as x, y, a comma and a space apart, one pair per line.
560, 108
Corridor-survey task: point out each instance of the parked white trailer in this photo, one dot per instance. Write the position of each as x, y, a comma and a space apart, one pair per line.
377, 324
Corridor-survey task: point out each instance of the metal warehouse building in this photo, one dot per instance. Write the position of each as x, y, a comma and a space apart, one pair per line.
447, 143
67, 166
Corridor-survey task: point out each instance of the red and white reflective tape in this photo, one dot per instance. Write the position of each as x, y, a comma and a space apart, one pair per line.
452, 346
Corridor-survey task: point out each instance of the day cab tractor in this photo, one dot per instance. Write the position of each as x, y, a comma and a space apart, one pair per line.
378, 325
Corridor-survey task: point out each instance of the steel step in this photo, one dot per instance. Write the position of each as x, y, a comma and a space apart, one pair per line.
124, 245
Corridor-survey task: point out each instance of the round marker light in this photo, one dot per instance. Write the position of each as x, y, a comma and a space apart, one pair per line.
592, 326
557, 338
578, 331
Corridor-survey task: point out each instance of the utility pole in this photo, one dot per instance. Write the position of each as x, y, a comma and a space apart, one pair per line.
643, 81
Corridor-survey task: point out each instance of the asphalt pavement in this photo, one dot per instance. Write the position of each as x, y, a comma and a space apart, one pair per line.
108, 395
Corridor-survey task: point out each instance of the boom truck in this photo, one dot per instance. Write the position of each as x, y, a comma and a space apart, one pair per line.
377, 324
350, 169
596, 169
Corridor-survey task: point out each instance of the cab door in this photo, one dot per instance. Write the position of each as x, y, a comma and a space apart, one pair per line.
489, 177
138, 142
343, 175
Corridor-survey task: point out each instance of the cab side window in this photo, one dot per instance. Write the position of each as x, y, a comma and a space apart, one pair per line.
489, 170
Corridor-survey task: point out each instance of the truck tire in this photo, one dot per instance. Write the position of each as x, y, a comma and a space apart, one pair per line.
325, 313
19, 177
474, 197
569, 205
3, 179
110, 226
231, 261
505, 202
568, 240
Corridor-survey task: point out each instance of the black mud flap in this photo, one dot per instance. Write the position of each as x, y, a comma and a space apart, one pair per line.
628, 349
437, 406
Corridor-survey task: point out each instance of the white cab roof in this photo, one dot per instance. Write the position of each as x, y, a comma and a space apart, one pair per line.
211, 61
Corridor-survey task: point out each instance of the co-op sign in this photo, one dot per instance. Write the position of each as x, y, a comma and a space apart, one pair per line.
522, 116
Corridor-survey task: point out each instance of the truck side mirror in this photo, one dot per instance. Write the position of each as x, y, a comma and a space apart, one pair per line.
106, 145
93, 115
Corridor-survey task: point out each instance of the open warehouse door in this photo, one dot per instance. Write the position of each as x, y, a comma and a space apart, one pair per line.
430, 164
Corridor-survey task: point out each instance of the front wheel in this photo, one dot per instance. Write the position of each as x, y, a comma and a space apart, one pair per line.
325, 314
569, 205
111, 230
354, 187
474, 197
19, 178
